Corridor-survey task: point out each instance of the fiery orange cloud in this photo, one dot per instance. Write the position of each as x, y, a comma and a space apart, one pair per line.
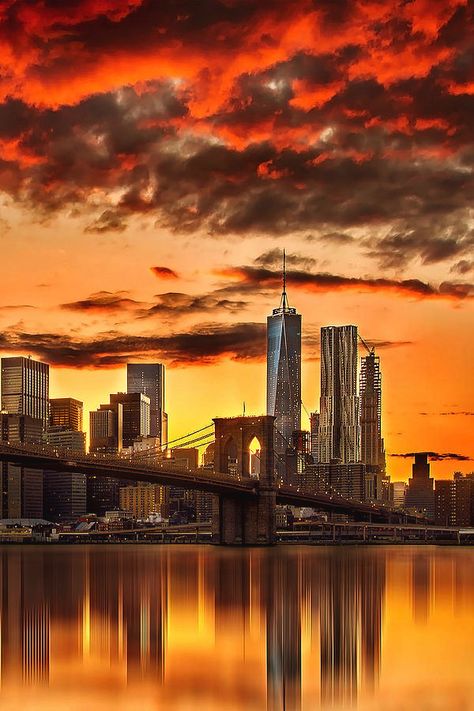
323, 282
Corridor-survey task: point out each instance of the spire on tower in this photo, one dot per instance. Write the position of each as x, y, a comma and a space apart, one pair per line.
284, 299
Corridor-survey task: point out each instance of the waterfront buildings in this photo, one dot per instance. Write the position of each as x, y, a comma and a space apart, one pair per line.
145, 499
284, 374
454, 501
372, 451
338, 478
339, 433
65, 496
24, 386
420, 494
149, 379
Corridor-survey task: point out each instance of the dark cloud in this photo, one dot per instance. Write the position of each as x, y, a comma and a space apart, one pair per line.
233, 118
462, 413
103, 301
164, 273
250, 277
179, 304
13, 307
436, 456
170, 304
207, 344
273, 258
108, 221
463, 267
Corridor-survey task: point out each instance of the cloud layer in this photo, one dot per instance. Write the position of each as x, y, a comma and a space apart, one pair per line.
247, 118
436, 456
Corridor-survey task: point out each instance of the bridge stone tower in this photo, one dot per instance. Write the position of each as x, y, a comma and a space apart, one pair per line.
245, 520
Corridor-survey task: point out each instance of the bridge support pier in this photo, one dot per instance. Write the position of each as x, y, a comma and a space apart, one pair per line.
244, 521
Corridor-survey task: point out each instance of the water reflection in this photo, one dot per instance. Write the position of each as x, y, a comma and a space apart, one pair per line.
287, 628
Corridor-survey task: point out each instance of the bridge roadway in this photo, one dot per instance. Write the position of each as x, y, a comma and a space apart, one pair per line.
47, 458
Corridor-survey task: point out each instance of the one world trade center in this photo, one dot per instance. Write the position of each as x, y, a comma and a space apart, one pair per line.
284, 374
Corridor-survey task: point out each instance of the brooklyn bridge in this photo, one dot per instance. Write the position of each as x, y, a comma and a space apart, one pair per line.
243, 506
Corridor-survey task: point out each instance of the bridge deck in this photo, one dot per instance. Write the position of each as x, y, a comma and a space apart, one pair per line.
162, 472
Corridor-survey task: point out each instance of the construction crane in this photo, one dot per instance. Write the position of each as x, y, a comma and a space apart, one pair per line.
370, 350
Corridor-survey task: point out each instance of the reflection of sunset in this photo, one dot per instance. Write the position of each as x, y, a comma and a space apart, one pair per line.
236, 629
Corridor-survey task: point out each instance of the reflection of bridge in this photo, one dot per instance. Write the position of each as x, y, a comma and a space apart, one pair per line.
244, 507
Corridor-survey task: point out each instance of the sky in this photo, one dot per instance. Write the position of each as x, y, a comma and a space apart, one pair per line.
156, 157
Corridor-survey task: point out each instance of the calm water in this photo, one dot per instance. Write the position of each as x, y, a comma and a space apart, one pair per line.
148, 627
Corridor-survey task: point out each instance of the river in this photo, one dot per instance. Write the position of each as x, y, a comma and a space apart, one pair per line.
125, 627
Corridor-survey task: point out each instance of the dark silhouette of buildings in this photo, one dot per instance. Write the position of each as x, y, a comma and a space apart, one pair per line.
420, 494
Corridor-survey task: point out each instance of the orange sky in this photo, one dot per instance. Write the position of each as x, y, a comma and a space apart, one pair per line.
135, 136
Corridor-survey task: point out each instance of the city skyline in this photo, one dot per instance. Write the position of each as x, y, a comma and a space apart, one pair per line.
145, 202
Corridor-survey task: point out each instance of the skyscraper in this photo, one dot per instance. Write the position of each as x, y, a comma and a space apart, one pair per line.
149, 379
25, 388
284, 372
66, 412
339, 435
133, 415
372, 451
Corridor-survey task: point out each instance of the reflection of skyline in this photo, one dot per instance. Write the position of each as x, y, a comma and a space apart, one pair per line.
247, 624
350, 624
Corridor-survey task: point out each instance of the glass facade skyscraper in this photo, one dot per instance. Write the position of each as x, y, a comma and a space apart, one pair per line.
25, 388
339, 432
149, 379
284, 374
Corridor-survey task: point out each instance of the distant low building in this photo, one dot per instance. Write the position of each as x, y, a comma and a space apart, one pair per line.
420, 493
398, 493
454, 501
342, 479
145, 499
64, 438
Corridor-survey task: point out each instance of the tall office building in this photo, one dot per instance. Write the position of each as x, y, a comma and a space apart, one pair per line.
121, 422
133, 415
25, 388
372, 451
284, 373
103, 430
149, 379
66, 412
339, 436
21, 488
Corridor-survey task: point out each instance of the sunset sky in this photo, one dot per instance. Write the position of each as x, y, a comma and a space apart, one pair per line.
156, 157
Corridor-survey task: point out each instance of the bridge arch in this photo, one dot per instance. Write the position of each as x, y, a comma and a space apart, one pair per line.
242, 431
